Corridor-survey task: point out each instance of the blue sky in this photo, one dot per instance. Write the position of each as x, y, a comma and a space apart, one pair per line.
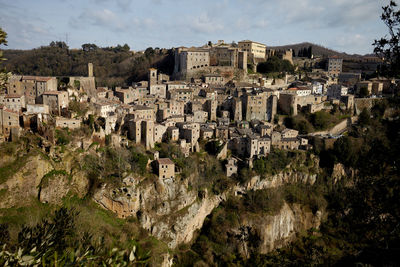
344, 25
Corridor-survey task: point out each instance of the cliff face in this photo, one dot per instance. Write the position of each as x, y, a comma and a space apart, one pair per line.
40, 178
275, 231
22, 186
166, 208
172, 213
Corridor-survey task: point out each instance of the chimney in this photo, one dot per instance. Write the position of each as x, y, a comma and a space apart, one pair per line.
90, 69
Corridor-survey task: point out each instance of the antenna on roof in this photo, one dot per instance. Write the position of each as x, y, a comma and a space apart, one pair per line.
66, 38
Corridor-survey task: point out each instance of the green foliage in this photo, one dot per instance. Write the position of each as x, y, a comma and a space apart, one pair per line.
80, 108
388, 47
275, 64
214, 147
139, 161
276, 161
264, 201
321, 120
62, 137
56, 242
299, 123
8, 170
113, 66
3, 74
45, 179
363, 92
226, 236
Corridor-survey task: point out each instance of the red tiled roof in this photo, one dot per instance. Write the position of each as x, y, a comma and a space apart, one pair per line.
53, 92
9, 110
12, 96
166, 161
37, 78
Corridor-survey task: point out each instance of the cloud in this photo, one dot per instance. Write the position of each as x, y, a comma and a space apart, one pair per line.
103, 18
24, 30
124, 5
334, 23
204, 24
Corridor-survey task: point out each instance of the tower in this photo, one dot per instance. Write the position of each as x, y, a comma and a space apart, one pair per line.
90, 69
152, 76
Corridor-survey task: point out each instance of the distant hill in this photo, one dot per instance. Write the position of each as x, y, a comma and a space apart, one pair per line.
111, 67
317, 50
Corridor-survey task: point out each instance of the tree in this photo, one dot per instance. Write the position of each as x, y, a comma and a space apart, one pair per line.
388, 47
3, 74
275, 64
364, 118
364, 92
126, 48
89, 47
59, 44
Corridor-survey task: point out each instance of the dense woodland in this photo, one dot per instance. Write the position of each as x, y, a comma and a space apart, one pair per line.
363, 223
112, 66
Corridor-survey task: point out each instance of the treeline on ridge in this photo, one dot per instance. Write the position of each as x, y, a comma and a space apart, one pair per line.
113, 66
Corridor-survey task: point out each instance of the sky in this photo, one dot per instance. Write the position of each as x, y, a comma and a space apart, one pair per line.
348, 26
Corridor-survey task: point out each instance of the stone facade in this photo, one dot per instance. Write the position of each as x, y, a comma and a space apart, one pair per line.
166, 168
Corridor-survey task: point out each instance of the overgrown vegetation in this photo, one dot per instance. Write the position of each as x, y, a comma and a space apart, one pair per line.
112, 66
57, 241
226, 240
318, 121
275, 64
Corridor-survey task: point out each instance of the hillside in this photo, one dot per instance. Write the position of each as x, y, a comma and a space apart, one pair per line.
111, 67
317, 50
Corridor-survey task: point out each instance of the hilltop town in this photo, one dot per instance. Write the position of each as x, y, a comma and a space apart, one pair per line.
214, 94
239, 150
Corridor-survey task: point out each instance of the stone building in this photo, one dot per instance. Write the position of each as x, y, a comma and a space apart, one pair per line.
200, 116
166, 168
13, 101
104, 106
190, 60
258, 146
226, 55
211, 107
160, 132
147, 133
126, 95
173, 133
231, 167
364, 84
142, 113
32, 87
156, 85
71, 124
334, 66
336, 91
37, 109
213, 79
56, 100
255, 107
185, 95
255, 51
9, 119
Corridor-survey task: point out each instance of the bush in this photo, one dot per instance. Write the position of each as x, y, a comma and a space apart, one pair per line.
275, 64
299, 123
321, 120
276, 161
63, 137
266, 200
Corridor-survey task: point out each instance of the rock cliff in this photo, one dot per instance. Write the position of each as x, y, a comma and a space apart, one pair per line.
275, 231
172, 213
